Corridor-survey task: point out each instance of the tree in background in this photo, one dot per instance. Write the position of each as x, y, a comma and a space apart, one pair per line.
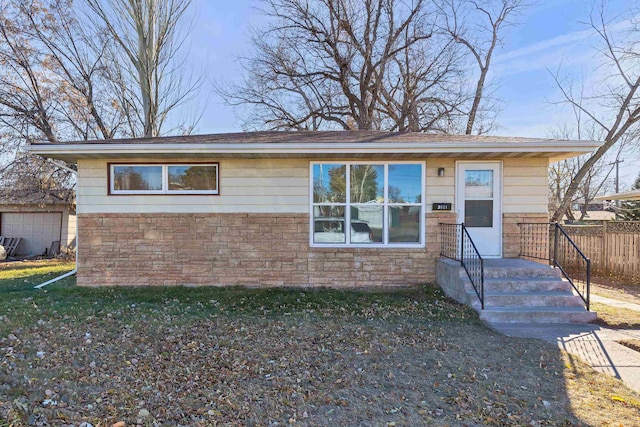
478, 25
144, 43
59, 82
354, 64
630, 210
596, 181
614, 107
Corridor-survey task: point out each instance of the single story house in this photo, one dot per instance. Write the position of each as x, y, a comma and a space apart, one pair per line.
39, 220
335, 208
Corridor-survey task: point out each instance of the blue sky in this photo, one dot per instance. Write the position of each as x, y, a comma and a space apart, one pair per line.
550, 35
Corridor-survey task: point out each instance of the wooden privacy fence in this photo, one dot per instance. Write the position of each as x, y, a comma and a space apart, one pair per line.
614, 247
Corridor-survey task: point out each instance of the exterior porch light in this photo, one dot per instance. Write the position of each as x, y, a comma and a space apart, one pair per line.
440, 171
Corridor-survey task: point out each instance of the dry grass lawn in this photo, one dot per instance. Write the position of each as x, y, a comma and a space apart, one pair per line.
232, 357
616, 317
616, 289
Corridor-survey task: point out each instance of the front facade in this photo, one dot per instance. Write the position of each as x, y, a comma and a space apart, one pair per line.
333, 209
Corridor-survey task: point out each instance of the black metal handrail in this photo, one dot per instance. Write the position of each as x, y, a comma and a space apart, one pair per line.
456, 243
549, 241
573, 264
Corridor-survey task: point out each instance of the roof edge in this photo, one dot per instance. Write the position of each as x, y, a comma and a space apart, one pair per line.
316, 148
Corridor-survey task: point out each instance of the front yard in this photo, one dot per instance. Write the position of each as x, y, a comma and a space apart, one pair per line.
209, 357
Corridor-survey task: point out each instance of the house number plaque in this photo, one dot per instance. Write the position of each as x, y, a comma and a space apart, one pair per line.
441, 207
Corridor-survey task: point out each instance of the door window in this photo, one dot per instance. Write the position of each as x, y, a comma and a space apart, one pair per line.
478, 193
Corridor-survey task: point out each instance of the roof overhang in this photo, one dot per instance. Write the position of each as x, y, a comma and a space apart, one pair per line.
553, 150
627, 195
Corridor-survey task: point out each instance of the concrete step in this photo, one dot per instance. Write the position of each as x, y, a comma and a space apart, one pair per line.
516, 291
529, 299
526, 284
537, 315
533, 271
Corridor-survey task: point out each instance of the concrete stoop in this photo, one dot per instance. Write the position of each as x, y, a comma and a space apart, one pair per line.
516, 291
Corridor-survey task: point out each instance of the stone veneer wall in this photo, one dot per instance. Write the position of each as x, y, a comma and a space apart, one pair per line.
240, 249
511, 230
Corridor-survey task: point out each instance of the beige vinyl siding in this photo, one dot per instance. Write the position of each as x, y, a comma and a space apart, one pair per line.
440, 189
282, 185
525, 185
246, 185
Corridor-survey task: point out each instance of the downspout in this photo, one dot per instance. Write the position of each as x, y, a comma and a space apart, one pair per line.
74, 271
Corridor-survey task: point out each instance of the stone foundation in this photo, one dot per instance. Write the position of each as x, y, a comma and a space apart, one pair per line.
240, 249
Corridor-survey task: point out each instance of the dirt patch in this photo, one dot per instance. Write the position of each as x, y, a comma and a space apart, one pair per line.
632, 344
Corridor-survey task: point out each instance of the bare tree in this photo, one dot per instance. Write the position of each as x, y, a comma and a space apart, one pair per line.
58, 82
349, 64
479, 26
50, 84
597, 179
148, 33
51, 88
615, 108
424, 90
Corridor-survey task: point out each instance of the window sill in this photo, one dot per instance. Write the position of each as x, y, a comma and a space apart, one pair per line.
369, 246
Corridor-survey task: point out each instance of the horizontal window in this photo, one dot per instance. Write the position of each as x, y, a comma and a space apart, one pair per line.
381, 203
164, 178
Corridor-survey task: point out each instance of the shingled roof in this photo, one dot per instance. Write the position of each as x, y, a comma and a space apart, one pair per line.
316, 145
316, 137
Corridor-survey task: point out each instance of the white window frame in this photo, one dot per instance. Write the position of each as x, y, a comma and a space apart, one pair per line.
165, 179
385, 206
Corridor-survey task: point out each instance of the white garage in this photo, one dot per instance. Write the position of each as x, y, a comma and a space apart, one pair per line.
38, 222
38, 230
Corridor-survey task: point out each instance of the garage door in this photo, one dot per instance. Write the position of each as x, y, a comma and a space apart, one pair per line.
37, 230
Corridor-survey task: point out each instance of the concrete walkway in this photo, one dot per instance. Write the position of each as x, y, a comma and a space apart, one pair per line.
594, 345
615, 302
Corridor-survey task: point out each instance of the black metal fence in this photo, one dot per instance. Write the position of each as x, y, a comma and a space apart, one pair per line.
455, 243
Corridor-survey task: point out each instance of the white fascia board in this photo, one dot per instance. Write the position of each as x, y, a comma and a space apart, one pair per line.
627, 195
314, 148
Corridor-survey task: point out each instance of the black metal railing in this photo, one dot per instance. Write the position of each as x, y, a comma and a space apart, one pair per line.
575, 266
535, 239
549, 241
450, 240
455, 243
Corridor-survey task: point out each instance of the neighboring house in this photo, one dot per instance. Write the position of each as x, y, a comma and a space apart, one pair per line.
593, 217
595, 214
38, 220
272, 208
626, 195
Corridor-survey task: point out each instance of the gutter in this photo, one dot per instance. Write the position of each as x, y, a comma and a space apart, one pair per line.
64, 276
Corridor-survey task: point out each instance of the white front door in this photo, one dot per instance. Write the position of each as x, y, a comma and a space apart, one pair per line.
479, 204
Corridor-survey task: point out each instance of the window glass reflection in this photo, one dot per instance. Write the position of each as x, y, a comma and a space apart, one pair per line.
329, 183
405, 183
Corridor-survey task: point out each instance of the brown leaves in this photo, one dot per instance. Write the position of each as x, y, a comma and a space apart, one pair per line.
177, 362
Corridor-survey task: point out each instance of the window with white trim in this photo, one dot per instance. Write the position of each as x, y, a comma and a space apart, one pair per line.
173, 178
383, 204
